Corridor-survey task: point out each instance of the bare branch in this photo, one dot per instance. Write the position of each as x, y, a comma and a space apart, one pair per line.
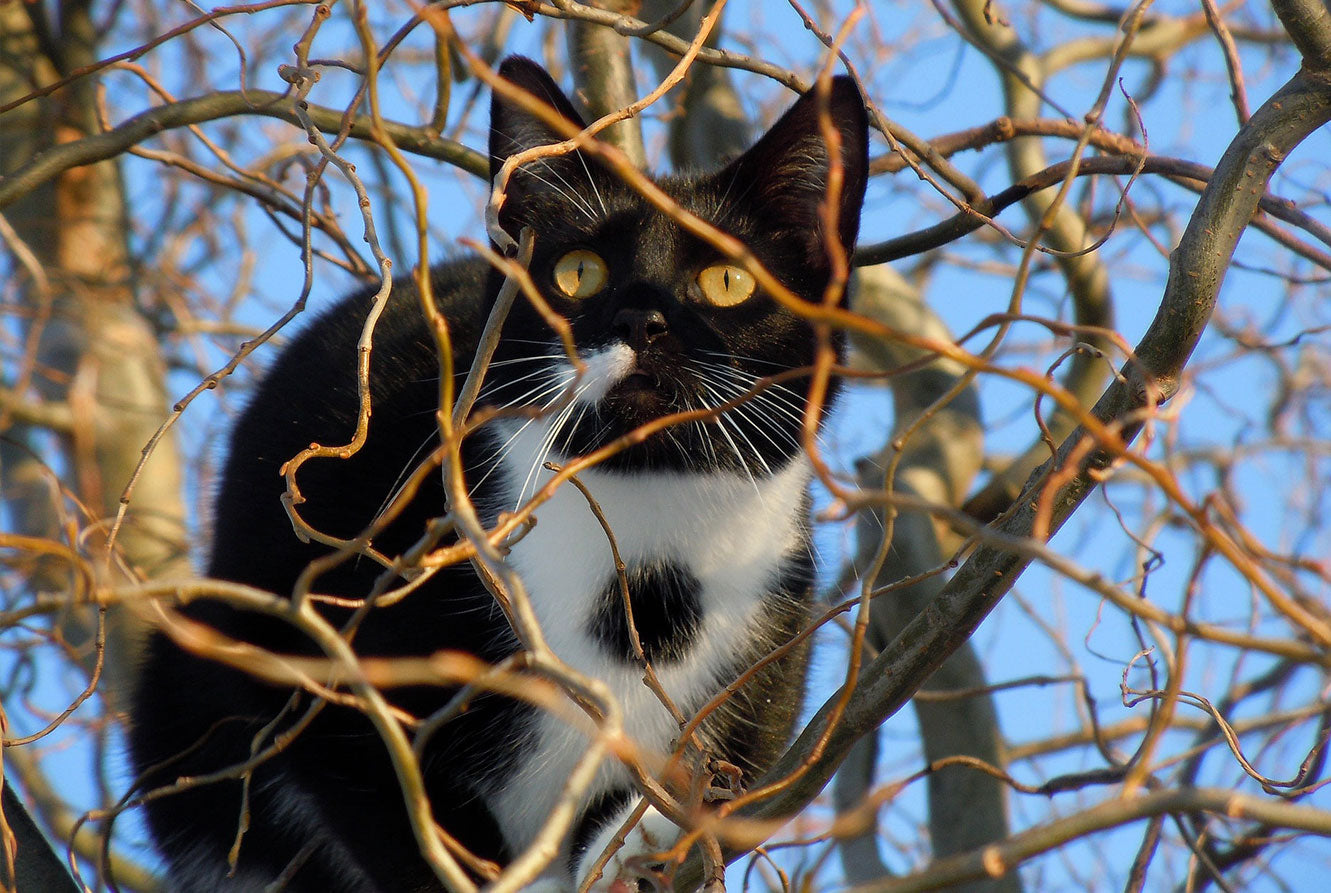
215, 106
603, 72
1196, 272
1001, 858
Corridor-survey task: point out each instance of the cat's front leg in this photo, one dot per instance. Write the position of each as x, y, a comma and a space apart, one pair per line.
631, 863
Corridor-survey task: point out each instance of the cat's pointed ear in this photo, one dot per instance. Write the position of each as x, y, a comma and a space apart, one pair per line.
513, 129
784, 175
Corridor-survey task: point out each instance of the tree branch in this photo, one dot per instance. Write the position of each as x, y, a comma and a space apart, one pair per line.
99, 147
1004, 857
1184, 172
1197, 270
713, 125
603, 72
1309, 25
934, 454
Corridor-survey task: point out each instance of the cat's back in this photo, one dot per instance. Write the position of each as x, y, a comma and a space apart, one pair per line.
194, 716
310, 395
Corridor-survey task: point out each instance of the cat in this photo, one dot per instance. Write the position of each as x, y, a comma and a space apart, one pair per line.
711, 519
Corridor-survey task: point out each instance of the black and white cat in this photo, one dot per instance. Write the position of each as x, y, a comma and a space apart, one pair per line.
710, 517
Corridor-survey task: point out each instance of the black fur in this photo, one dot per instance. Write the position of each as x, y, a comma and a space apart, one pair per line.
666, 613
327, 807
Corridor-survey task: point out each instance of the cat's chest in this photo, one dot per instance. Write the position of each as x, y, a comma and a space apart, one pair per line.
704, 553
701, 551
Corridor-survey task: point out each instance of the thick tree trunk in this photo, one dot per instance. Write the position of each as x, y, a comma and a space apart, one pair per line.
98, 363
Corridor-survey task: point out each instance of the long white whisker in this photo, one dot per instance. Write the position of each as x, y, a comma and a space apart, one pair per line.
542, 450
763, 409
703, 433
500, 451
566, 190
749, 413
538, 394
495, 364
776, 396
571, 190
739, 455
548, 442
596, 191
739, 430
400, 481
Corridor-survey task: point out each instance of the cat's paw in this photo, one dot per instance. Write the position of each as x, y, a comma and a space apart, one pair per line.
630, 869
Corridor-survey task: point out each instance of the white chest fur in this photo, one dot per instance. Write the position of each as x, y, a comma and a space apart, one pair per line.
731, 533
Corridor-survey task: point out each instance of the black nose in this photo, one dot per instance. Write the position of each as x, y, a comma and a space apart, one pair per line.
639, 327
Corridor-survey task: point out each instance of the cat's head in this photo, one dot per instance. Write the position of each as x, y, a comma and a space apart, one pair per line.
662, 320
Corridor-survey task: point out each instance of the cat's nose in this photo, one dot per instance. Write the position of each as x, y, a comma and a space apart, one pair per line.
639, 326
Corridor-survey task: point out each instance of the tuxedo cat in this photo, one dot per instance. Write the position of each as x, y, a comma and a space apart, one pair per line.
710, 518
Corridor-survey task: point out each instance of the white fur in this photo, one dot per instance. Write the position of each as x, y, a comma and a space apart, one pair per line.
730, 532
604, 368
654, 833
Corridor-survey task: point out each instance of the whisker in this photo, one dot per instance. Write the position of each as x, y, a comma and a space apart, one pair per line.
596, 191
566, 190
739, 455
762, 426
779, 396
494, 458
759, 361
572, 191
548, 441
536, 395
495, 364
400, 481
762, 410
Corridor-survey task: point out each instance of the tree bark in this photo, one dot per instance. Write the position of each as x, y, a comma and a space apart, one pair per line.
96, 353
938, 461
602, 66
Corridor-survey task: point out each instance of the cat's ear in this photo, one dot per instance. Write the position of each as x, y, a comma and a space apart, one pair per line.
784, 176
514, 129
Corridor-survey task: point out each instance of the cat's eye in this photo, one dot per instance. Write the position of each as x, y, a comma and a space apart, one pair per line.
726, 285
580, 273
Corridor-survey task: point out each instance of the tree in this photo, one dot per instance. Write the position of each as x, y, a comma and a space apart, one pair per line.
170, 175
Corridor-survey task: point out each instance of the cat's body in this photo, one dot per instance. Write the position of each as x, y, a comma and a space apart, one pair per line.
710, 519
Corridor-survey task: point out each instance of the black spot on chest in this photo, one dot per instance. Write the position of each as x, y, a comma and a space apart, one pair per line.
667, 613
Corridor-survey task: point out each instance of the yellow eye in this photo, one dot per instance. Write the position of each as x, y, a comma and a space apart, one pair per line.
726, 285
580, 273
